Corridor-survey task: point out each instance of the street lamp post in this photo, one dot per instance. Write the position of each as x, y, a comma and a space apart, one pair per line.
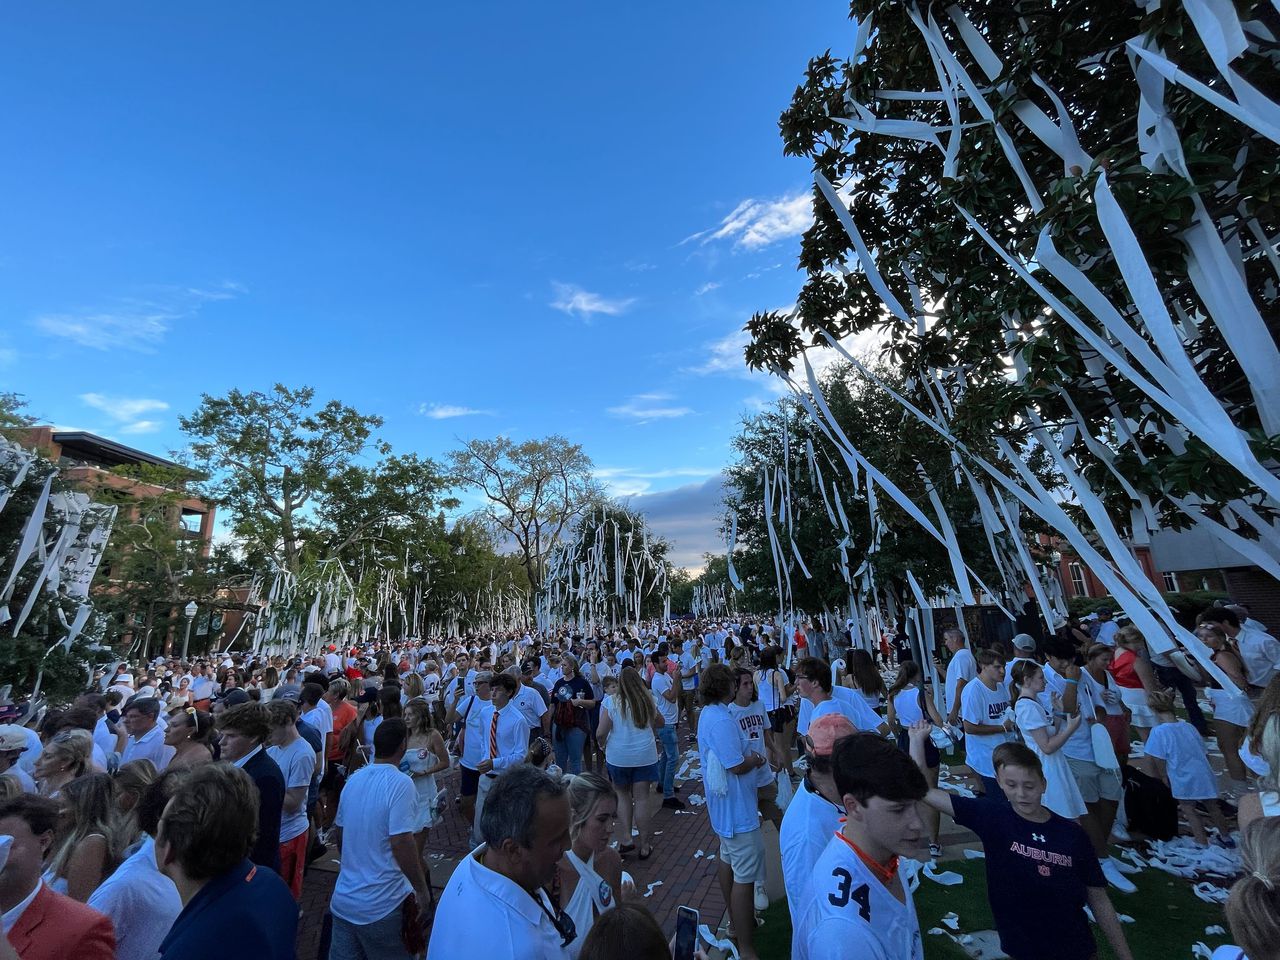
190, 613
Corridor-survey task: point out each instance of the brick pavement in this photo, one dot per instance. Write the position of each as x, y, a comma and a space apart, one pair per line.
677, 836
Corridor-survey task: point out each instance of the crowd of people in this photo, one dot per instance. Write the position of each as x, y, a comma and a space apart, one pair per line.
172, 810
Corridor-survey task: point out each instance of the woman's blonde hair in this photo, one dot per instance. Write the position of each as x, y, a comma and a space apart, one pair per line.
585, 791
634, 698
413, 686
91, 809
10, 787
75, 746
1253, 907
1130, 636
132, 779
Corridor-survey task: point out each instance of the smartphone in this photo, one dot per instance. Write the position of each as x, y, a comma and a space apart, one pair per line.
686, 933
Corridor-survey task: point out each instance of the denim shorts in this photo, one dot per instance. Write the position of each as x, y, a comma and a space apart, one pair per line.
626, 776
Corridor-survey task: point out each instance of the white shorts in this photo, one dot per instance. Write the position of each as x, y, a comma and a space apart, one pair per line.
1135, 698
745, 853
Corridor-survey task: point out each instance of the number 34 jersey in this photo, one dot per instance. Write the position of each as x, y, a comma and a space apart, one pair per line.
853, 916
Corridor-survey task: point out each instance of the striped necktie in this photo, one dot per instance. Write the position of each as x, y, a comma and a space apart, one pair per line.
493, 736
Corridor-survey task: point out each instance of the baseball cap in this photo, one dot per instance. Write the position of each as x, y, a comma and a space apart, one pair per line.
826, 730
233, 698
1024, 641
12, 738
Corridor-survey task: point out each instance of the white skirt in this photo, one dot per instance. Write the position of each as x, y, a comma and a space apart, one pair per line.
1235, 709
1135, 698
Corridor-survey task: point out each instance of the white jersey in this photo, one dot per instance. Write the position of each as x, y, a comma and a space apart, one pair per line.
853, 916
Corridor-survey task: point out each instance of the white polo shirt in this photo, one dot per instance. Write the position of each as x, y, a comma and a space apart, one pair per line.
529, 703
149, 746
483, 912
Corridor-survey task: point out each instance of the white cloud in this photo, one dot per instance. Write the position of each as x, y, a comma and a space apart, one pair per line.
123, 409
628, 481
753, 224
576, 302
707, 288
644, 407
141, 426
447, 411
724, 355
135, 324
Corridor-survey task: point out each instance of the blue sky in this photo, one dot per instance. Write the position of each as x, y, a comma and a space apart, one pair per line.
470, 219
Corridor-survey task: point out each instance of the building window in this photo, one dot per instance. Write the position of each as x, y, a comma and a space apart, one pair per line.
1171, 582
1077, 580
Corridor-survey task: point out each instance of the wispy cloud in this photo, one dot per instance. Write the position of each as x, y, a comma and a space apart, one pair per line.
134, 323
142, 426
644, 407
724, 355
127, 411
576, 302
707, 288
122, 408
628, 482
754, 224
447, 411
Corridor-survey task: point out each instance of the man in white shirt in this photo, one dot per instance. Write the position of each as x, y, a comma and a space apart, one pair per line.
984, 709
859, 906
728, 776
297, 762
1259, 651
505, 735
666, 696
494, 904
961, 669
381, 865
813, 815
140, 901
332, 662
146, 738
689, 667
818, 698
317, 713
1024, 646
532, 700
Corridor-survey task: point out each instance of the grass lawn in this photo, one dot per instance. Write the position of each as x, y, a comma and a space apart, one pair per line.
1168, 917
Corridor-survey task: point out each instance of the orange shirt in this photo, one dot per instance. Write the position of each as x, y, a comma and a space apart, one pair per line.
343, 714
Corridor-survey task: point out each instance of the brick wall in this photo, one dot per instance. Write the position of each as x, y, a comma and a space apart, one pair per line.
1259, 591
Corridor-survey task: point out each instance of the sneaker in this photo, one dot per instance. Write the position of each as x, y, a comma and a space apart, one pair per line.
935, 851
673, 803
1118, 832
1116, 878
762, 898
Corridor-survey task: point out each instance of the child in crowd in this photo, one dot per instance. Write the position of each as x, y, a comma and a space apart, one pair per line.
1041, 868
1178, 757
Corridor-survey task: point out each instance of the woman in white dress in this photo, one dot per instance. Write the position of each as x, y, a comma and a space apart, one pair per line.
1042, 735
425, 757
589, 877
1232, 709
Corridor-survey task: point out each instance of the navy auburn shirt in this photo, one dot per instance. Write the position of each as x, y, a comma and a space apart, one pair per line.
246, 912
1037, 875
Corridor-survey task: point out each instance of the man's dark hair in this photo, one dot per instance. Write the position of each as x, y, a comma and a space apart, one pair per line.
987, 657
506, 681
155, 797
867, 766
1219, 615
511, 808
817, 670
311, 693
389, 737
40, 813
249, 719
147, 706
1060, 648
211, 822
94, 701
716, 683
78, 718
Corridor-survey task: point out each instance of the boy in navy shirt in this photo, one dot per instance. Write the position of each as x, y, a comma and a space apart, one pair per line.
1041, 868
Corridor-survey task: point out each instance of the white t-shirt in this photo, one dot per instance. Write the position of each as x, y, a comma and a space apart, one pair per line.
980, 705
718, 734
1107, 633
1185, 762
297, 762
807, 827
628, 745
848, 703
689, 665
752, 723
669, 709
377, 803
962, 667
851, 915
474, 748
1079, 745
431, 687
531, 706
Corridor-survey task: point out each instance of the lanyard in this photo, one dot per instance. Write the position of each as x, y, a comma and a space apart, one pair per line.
885, 872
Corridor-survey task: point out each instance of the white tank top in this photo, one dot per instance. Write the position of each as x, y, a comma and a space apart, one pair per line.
591, 897
768, 689
906, 707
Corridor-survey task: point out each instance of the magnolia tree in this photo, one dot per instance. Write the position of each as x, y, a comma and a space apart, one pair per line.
1059, 220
